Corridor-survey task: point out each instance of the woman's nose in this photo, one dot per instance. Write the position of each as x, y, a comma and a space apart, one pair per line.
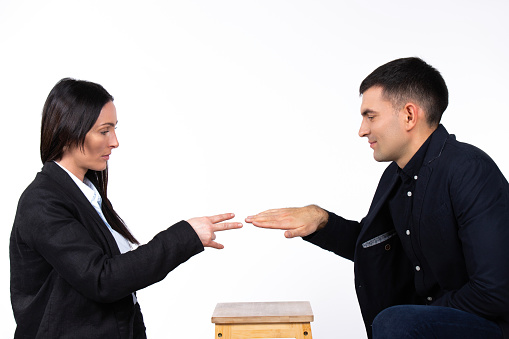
114, 141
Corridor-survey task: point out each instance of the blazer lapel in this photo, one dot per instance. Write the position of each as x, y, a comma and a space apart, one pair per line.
378, 203
74, 193
437, 144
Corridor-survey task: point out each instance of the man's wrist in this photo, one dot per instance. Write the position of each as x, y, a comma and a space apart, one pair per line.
322, 217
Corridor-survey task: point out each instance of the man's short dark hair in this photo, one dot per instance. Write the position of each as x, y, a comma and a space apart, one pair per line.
407, 79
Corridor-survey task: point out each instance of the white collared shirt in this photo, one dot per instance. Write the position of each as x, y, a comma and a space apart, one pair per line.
93, 196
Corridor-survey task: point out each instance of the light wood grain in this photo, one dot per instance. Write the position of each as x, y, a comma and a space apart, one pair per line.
263, 312
255, 331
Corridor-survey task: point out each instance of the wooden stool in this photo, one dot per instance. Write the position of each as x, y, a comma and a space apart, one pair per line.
263, 320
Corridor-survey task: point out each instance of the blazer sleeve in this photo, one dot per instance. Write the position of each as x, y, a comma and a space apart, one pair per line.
47, 224
338, 236
479, 195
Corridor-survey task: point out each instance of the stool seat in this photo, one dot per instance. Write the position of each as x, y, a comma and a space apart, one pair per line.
243, 320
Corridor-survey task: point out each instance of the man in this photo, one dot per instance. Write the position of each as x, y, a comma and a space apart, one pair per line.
431, 257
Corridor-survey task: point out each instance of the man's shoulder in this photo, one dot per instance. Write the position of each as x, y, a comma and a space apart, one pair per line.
445, 148
461, 160
455, 150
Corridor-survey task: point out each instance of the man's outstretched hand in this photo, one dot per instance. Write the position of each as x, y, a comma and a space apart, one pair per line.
298, 222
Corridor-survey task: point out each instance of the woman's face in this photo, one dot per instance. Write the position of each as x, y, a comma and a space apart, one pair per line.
99, 142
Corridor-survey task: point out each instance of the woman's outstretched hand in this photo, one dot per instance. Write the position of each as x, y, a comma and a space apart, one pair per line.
206, 227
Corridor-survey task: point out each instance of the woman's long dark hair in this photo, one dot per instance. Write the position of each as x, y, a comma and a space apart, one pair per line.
70, 111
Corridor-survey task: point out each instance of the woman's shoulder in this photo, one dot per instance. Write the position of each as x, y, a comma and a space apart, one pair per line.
49, 189
43, 201
42, 185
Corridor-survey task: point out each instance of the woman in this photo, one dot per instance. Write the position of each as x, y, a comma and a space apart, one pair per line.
73, 273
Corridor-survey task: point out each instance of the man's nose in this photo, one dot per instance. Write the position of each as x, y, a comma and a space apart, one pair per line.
363, 130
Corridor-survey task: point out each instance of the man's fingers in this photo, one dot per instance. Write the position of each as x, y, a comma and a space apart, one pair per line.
270, 224
262, 217
270, 215
262, 214
273, 211
220, 217
226, 226
297, 232
281, 220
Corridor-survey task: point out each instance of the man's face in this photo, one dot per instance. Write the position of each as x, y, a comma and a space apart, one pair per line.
383, 126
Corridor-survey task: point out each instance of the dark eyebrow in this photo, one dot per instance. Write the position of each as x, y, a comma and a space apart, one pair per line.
109, 124
367, 111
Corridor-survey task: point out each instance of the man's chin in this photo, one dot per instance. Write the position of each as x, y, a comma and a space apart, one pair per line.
380, 158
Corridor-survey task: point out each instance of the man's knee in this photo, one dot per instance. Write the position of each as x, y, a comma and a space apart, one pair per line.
397, 322
419, 321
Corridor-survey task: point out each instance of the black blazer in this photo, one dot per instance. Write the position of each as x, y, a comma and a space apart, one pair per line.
461, 219
68, 278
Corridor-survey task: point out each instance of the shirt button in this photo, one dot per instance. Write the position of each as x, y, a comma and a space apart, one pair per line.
407, 232
430, 299
415, 177
409, 193
417, 268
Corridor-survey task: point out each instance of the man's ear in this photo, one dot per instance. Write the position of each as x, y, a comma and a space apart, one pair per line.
412, 113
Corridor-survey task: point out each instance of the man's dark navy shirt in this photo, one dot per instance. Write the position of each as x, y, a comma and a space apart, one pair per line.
400, 206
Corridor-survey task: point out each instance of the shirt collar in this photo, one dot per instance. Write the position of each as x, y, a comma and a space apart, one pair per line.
413, 167
85, 186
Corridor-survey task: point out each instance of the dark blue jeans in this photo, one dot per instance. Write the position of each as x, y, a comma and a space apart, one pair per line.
417, 321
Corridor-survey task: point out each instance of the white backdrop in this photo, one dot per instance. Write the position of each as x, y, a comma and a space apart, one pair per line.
241, 106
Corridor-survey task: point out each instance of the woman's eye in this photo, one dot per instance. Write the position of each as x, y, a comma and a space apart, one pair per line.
104, 132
